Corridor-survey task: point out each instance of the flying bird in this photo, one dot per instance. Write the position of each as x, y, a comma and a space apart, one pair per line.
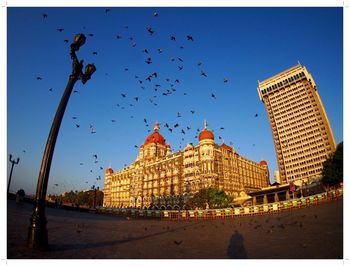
173, 38
94, 53
203, 73
91, 34
150, 30
213, 95
107, 10
123, 95
189, 38
155, 14
77, 125
60, 29
44, 15
225, 80
39, 78
256, 115
136, 98
180, 67
65, 41
145, 51
192, 112
149, 60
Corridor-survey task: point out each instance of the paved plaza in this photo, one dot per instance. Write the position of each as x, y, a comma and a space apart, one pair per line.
310, 233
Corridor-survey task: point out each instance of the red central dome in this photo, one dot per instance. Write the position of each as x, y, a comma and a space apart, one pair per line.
155, 137
206, 134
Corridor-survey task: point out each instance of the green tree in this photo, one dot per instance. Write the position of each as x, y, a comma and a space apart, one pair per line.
332, 173
214, 198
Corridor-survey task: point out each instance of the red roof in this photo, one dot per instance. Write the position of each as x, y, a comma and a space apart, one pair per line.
109, 170
155, 137
206, 134
226, 147
263, 163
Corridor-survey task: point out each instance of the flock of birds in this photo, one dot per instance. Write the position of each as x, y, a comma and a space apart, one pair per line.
159, 89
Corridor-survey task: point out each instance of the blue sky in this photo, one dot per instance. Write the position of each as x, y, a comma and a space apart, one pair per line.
243, 44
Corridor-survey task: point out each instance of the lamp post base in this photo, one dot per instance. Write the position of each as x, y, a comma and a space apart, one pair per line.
37, 231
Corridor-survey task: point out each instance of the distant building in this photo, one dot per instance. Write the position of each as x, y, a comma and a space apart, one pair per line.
301, 131
162, 179
277, 177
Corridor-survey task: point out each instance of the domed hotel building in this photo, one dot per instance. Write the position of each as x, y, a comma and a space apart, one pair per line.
162, 179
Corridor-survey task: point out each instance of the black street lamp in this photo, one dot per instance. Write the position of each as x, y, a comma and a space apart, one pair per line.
13, 163
37, 231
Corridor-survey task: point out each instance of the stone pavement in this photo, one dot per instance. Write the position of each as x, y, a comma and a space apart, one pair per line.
310, 233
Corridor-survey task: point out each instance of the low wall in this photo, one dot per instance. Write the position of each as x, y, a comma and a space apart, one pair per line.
262, 209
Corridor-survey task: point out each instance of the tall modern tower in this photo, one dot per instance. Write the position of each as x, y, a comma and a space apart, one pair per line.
301, 131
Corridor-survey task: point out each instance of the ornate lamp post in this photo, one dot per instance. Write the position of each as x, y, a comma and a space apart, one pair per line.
13, 163
37, 231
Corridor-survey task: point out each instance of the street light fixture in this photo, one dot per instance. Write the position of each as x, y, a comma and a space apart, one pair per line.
13, 163
37, 231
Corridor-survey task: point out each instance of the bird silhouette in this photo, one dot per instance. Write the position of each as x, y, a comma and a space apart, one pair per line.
77, 125
203, 73
213, 95
60, 29
107, 10
44, 15
74, 117
94, 53
150, 30
123, 95
180, 67
192, 112
155, 14
118, 36
225, 80
65, 41
149, 60
39, 78
189, 38
177, 242
160, 50
173, 38
136, 98
145, 51
256, 115
113, 121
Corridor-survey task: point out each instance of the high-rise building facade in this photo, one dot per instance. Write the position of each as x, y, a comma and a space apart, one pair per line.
301, 131
165, 180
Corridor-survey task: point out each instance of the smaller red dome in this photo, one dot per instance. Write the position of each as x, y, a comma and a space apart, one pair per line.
263, 163
109, 170
206, 134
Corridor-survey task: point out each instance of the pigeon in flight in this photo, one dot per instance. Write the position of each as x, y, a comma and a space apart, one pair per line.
150, 30
65, 41
39, 78
44, 15
145, 51
203, 73
123, 95
173, 38
149, 60
155, 14
213, 95
189, 38
256, 115
225, 80
94, 53
107, 10
60, 29
192, 112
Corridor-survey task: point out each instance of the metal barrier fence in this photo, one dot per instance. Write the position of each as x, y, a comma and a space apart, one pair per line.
227, 212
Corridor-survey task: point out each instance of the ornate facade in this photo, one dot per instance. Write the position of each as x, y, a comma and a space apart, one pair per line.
165, 180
